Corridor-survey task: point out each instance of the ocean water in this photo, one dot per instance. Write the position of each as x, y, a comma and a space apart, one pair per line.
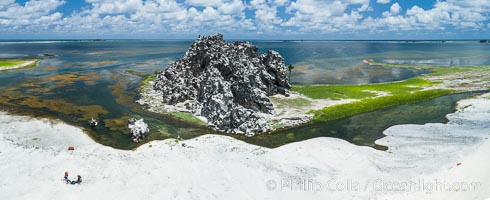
88, 78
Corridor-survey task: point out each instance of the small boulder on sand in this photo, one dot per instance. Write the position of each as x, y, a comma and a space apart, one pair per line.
138, 129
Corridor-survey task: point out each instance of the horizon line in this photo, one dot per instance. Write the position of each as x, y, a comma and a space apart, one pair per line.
190, 39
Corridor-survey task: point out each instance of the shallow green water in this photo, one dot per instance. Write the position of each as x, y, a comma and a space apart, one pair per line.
364, 129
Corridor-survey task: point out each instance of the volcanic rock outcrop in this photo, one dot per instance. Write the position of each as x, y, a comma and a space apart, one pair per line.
138, 129
229, 84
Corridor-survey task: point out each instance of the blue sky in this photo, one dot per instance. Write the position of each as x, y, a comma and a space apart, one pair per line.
250, 19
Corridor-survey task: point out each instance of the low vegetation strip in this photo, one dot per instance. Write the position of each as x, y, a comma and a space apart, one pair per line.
6, 64
146, 78
369, 104
187, 117
398, 93
361, 91
10, 63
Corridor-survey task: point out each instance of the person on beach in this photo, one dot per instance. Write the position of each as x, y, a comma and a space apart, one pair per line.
78, 181
66, 178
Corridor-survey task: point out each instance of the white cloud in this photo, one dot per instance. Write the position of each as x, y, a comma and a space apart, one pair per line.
383, 1
191, 17
204, 3
395, 8
31, 13
280, 2
452, 13
328, 15
5, 3
331, 16
266, 16
110, 6
234, 7
157, 17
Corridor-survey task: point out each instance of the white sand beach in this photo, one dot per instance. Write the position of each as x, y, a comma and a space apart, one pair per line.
34, 155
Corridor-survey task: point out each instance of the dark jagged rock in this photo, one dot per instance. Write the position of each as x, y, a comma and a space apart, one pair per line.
227, 83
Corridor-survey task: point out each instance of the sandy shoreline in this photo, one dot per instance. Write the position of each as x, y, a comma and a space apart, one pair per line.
34, 156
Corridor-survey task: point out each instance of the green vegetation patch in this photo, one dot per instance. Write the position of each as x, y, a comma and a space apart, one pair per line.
6, 63
370, 104
10, 63
147, 79
398, 93
290, 136
402, 92
187, 117
336, 92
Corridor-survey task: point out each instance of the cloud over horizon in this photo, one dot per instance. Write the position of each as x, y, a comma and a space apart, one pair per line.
272, 19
